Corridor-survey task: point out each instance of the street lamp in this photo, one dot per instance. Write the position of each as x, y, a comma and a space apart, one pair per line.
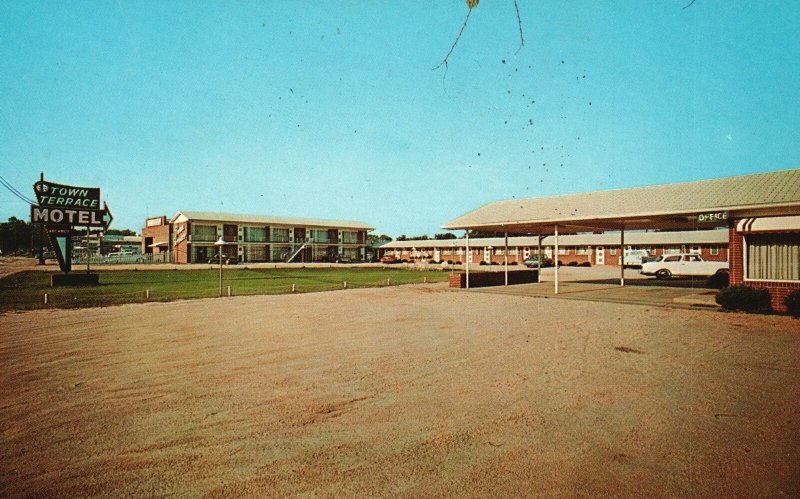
220, 243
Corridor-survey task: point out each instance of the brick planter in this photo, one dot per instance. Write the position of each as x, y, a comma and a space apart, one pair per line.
485, 279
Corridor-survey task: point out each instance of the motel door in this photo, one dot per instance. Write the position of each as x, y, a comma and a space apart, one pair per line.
599, 256
201, 255
487, 254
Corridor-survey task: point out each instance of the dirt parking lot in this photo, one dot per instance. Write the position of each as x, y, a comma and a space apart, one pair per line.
409, 391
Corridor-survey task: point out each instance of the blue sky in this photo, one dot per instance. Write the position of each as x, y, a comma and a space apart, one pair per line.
332, 110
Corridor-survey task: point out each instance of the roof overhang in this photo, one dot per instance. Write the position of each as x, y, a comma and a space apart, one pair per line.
688, 220
769, 224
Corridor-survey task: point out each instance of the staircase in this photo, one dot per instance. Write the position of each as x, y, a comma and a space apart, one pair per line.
301, 248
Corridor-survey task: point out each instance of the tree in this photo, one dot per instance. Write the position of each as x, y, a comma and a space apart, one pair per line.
120, 232
373, 239
446, 235
15, 236
483, 233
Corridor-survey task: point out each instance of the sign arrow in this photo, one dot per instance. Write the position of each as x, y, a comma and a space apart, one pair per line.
107, 217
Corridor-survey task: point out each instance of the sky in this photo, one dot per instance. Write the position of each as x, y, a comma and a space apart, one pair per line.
333, 109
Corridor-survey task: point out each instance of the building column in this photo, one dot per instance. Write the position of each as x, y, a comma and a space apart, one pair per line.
467, 256
505, 252
539, 252
555, 260
622, 256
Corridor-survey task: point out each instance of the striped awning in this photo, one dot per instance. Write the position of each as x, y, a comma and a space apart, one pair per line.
769, 224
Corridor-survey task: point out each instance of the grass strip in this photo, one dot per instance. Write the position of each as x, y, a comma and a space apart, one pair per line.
25, 290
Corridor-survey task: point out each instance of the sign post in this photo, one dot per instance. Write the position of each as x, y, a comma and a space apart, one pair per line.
60, 209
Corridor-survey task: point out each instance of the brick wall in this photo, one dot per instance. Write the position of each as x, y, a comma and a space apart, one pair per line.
777, 290
484, 279
158, 234
735, 258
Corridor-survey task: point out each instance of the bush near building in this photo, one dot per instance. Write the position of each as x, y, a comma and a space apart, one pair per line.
744, 298
792, 302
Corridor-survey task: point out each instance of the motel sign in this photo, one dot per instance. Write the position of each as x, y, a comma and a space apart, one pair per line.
61, 208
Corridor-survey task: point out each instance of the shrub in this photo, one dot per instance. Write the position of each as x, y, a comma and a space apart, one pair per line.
792, 302
449, 262
512, 263
483, 262
458, 262
585, 264
744, 298
572, 264
719, 280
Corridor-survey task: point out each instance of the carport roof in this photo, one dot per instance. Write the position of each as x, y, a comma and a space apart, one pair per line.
605, 239
669, 206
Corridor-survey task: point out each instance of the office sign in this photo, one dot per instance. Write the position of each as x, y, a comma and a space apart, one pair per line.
714, 216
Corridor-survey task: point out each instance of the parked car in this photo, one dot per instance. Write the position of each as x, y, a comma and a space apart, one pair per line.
533, 261
389, 259
226, 259
635, 257
682, 264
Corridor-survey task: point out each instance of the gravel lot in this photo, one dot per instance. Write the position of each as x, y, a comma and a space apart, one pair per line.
410, 391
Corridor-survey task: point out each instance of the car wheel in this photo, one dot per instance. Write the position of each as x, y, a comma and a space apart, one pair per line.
663, 274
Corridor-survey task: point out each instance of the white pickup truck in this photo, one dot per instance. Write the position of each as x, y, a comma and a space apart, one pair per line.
682, 264
635, 257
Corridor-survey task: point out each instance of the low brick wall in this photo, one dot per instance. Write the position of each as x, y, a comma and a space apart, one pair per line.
484, 279
778, 291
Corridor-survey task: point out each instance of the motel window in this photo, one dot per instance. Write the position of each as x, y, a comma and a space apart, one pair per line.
563, 251
613, 251
694, 249
255, 234
350, 253
280, 253
583, 250
671, 250
349, 237
512, 251
280, 235
499, 251
319, 236
714, 250
204, 233
773, 257
256, 253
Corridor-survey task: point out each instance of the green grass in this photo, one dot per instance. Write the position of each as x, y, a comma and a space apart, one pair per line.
25, 290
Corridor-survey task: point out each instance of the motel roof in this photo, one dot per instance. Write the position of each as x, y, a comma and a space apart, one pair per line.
669, 206
605, 239
209, 216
